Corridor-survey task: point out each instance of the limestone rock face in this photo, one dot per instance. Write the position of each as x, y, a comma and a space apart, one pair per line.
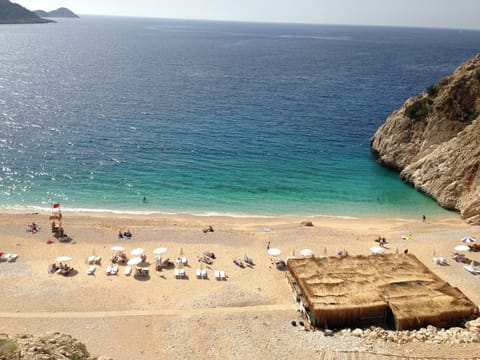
434, 141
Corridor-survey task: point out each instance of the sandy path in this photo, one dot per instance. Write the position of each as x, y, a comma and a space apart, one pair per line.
159, 312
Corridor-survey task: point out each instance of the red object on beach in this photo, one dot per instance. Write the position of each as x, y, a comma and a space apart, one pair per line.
56, 205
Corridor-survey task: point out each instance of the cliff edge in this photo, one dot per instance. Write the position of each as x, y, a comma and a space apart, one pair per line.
434, 141
11, 13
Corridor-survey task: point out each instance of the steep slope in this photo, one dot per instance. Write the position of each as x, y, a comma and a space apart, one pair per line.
434, 141
11, 13
59, 13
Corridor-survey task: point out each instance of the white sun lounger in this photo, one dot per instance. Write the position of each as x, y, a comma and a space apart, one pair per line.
439, 261
222, 275
12, 257
217, 275
108, 269
114, 270
179, 273
198, 272
183, 260
91, 270
128, 270
471, 269
204, 273
5, 257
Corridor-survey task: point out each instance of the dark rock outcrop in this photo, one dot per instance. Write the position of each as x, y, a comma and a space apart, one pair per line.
11, 13
434, 141
59, 13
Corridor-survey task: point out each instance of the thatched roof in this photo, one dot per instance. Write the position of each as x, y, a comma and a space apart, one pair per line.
350, 290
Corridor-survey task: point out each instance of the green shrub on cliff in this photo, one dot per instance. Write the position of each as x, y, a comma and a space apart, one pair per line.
7, 348
419, 109
432, 90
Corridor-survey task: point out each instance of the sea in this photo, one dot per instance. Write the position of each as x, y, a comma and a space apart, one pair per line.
142, 115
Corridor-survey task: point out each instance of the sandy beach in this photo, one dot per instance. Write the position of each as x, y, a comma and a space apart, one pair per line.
247, 316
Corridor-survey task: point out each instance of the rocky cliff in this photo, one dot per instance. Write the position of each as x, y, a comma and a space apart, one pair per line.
434, 141
11, 13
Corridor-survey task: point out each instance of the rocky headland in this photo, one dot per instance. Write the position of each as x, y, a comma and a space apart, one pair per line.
59, 13
433, 140
11, 13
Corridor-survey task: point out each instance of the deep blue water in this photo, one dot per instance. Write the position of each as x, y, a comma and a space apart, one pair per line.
210, 117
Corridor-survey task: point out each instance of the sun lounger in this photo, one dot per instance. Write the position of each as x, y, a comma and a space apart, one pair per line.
198, 273
439, 261
471, 269
217, 275
94, 260
12, 257
179, 273
91, 270
204, 273
5, 257
248, 260
239, 263
108, 270
128, 270
114, 270
183, 260
222, 275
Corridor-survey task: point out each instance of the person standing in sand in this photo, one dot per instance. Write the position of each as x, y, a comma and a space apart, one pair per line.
268, 245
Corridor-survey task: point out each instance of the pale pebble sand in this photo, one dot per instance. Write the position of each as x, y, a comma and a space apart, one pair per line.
246, 316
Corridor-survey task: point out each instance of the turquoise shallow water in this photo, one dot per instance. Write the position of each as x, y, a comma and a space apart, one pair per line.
207, 117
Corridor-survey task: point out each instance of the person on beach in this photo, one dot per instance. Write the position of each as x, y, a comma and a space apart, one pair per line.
268, 245
424, 218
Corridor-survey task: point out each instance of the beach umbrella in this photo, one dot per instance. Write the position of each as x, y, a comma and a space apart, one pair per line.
274, 252
118, 248
377, 250
63, 259
462, 248
469, 239
134, 261
160, 251
306, 252
137, 252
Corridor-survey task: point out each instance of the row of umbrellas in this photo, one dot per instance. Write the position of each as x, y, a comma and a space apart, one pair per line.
272, 251
140, 251
277, 252
135, 252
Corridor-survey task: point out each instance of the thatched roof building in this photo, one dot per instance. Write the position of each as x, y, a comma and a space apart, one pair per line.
394, 290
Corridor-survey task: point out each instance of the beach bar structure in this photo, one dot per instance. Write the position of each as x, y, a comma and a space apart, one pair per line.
390, 290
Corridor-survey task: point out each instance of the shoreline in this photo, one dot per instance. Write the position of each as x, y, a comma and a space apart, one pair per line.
241, 312
443, 213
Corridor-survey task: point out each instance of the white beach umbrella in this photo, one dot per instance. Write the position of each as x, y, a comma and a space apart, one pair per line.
137, 252
274, 252
118, 248
306, 252
462, 248
160, 251
134, 261
63, 259
377, 250
469, 239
